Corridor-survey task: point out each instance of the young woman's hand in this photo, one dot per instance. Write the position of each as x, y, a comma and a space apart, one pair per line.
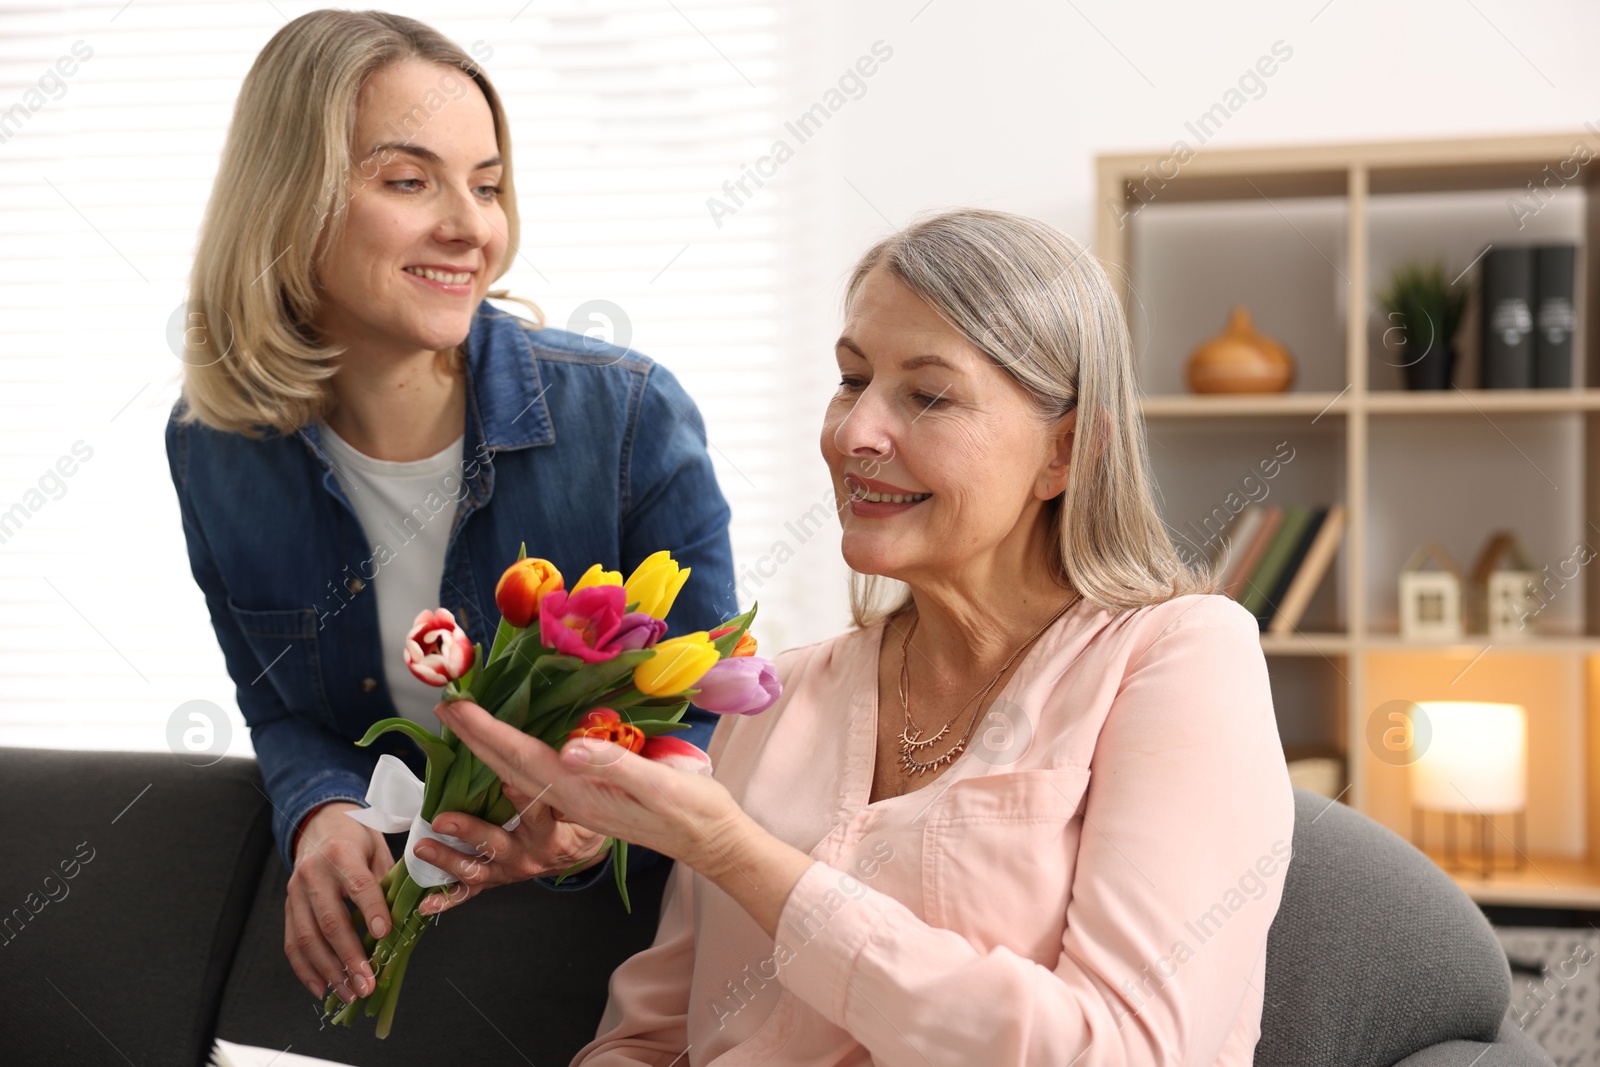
336, 858
543, 843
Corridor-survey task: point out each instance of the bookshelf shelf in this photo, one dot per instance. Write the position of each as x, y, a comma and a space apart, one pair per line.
1471, 401
1210, 406
1315, 644
1473, 644
1306, 236
1392, 402
1544, 882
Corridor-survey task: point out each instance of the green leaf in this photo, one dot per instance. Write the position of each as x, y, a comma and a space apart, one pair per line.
514, 712
524, 656
588, 680
502, 635
657, 727
741, 624
564, 875
464, 683
619, 864
433, 746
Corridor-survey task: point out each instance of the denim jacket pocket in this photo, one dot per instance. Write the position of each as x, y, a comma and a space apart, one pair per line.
999, 853
284, 641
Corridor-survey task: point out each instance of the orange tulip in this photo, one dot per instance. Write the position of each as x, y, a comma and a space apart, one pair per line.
745, 647
522, 586
604, 724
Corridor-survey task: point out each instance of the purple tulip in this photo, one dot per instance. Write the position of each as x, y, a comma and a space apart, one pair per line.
739, 685
637, 631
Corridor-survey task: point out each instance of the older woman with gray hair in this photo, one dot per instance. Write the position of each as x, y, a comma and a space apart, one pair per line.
1031, 810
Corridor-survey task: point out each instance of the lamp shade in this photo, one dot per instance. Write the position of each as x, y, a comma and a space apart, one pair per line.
1476, 760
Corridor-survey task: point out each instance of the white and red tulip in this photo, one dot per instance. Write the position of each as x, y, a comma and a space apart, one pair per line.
437, 650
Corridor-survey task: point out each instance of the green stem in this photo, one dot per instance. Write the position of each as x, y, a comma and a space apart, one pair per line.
396, 973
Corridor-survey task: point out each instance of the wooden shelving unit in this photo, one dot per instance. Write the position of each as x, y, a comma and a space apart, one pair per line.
1305, 236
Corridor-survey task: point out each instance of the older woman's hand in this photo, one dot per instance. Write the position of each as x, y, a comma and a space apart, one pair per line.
608, 789
543, 843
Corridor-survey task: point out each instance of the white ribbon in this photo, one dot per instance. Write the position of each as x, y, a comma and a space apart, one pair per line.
395, 798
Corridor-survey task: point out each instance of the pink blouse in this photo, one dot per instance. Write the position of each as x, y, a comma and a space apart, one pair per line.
1089, 884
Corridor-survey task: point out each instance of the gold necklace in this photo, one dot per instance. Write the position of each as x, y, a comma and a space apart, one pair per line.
911, 739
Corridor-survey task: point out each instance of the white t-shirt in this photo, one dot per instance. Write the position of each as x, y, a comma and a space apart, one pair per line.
408, 542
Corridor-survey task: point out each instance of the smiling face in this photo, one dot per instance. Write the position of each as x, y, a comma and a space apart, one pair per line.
941, 462
424, 201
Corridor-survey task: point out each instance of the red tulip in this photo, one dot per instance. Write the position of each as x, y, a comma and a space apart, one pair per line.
604, 724
677, 753
437, 650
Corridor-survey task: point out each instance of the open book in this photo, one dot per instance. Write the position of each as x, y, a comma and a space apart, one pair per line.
228, 1054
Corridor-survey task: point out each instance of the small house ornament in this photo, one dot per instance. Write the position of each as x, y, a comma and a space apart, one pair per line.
1504, 597
1430, 600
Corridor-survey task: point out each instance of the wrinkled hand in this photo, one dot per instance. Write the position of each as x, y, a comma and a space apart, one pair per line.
610, 790
544, 842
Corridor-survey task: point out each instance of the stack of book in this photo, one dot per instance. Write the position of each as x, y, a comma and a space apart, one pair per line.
1527, 316
1274, 557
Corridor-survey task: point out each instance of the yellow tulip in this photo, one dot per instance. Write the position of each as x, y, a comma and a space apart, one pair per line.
654, 584
596, 576
679, 662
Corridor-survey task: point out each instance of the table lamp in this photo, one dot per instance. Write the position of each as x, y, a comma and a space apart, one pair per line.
1475, 763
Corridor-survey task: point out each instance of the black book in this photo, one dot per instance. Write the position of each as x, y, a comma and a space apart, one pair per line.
1507, 318
1553, 316
1297, 556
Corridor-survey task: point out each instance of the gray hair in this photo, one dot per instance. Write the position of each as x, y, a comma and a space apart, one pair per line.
1041, 307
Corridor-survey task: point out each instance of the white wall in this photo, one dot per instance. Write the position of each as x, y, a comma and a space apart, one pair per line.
1006, 103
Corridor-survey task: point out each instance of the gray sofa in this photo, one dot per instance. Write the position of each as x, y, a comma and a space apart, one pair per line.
141, 914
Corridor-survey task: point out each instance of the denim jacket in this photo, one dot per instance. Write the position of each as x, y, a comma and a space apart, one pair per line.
587, 452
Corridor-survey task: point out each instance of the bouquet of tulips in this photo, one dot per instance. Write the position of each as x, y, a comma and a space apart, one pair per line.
590, 661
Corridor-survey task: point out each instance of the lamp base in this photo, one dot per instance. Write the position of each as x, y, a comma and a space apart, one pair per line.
1487, 830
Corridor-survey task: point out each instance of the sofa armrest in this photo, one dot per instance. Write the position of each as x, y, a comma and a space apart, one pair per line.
127, 880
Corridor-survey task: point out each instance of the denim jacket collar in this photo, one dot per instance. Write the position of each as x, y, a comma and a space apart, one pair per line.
505, 392
506, 408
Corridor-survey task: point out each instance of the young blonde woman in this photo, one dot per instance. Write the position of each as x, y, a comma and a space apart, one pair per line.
1036, 811
362, 435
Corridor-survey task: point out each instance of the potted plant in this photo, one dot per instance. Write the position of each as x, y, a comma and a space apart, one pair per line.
1425, 311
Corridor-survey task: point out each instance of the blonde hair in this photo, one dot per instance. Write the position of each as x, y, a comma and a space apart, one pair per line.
280, 197
1036, 303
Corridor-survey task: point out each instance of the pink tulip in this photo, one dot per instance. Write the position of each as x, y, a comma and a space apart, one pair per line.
637, 631
437, 650
677, 753
584, 623
739, 685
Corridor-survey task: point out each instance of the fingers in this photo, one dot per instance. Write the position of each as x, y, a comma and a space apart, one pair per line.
468, 870
329, 915
310, 956
446, 898
361, 887
524, 762
528, 807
